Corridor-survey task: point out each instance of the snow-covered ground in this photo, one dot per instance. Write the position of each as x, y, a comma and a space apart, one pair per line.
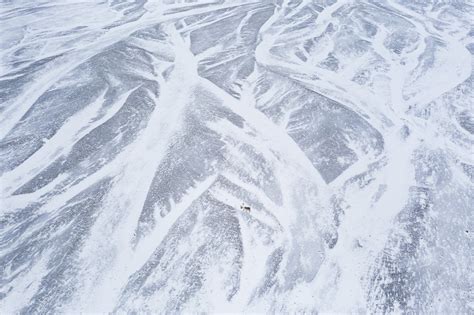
131, 131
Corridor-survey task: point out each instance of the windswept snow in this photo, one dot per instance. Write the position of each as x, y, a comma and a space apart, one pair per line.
131, 131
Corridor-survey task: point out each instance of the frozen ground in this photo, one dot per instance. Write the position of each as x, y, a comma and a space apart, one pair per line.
131, 132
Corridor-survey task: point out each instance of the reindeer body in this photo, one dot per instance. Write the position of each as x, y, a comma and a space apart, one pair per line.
243, 207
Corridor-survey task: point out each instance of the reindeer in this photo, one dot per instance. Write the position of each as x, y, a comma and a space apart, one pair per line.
243, 207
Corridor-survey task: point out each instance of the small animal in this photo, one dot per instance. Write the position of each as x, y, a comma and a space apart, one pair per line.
243, 207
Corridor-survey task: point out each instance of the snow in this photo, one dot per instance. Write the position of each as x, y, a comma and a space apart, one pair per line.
131, 133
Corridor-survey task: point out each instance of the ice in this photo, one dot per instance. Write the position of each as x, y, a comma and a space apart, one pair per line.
132, 131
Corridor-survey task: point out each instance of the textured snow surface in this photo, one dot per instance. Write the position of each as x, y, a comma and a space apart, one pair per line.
131, 132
